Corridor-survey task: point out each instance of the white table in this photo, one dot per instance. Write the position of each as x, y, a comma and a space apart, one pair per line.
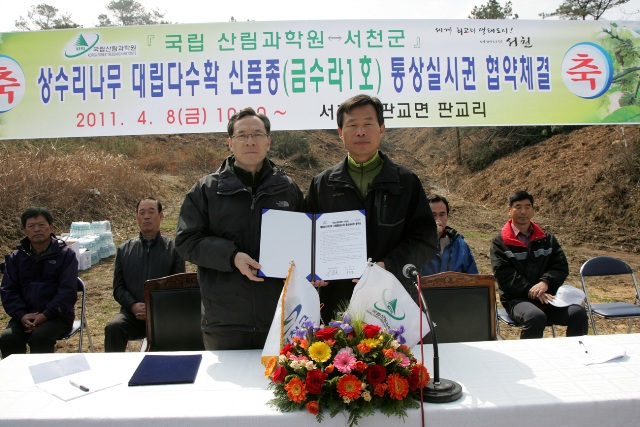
536, 383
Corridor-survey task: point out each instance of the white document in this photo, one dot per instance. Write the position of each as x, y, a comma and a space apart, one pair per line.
591, 353
338, 240
285, 237
79, 385
58, 368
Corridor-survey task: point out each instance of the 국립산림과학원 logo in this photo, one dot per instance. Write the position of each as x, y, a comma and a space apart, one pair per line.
12, 83
389, 307
81, 44
587, 70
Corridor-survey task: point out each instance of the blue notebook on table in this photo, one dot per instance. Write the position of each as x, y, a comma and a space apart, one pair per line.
164, 369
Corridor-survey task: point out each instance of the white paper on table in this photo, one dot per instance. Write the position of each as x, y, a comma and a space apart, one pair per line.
63, 389
58, 368
597, 353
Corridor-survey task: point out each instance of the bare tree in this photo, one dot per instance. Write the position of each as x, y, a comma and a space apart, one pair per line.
493, 10
44, 17
130, 12
583, 9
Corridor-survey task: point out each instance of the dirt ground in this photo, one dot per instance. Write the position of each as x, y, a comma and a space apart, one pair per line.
578, 198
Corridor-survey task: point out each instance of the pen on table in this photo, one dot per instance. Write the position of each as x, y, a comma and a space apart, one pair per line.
583, 346
80, 386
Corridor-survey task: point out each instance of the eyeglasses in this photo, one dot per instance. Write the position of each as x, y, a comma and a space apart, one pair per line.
257, 136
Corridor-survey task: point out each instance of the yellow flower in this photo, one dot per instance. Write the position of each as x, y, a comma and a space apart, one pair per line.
319, 351
371, 342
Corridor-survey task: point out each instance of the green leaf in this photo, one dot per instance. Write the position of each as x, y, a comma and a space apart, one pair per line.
630, 114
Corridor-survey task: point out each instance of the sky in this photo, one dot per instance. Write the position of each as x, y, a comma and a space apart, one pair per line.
85, 12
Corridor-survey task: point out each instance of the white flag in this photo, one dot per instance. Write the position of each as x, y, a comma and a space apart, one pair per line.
379, 299
299, 303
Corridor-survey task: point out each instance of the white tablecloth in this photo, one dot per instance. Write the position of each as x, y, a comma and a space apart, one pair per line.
536, 383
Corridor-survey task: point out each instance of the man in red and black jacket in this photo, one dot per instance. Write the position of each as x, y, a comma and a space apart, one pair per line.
529, 266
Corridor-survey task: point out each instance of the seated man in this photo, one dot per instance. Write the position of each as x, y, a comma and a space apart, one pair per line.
453, 252
148, 256
529, 266
39, 288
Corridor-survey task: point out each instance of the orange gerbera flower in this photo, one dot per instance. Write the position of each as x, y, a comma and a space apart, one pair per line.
270, 366
296, 390
398, 386
349, 386
313, 407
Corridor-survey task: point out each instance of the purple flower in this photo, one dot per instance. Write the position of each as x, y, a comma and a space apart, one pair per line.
346, 319
346, 327
397, 334
309, 325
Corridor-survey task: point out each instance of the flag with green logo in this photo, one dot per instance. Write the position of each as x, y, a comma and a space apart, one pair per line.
380, 299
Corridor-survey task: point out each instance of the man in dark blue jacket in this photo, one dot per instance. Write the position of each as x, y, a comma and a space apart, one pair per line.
453, 252
39, 288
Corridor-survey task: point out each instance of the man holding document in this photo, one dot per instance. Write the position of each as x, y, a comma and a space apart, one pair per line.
400, 228
219, 231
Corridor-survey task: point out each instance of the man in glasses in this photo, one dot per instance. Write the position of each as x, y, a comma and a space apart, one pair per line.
219, 231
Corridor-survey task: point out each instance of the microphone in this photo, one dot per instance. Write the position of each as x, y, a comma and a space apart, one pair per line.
410, 271
439, 390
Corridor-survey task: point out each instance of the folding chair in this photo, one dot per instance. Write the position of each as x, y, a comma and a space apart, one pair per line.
140, 342
607, 266
173, 311
80, 325
461, 306
503, 317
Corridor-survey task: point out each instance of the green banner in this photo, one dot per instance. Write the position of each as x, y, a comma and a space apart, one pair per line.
192, 78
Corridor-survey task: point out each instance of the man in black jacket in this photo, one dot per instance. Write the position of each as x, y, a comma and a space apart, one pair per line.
529, 266
148, 256
400, 226
219, 231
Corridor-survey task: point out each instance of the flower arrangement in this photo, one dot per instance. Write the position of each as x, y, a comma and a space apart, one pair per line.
349, 366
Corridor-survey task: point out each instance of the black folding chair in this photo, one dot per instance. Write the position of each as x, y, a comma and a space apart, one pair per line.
608, 266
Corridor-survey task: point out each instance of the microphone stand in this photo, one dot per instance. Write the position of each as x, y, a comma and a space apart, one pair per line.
439, 390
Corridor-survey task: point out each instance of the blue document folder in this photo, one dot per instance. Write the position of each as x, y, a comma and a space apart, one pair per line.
164, 369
